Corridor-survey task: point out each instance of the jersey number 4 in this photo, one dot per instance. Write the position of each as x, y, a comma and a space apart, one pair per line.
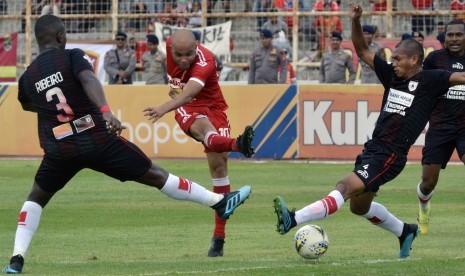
62, 105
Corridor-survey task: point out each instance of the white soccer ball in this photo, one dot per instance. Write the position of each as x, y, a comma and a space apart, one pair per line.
311, 241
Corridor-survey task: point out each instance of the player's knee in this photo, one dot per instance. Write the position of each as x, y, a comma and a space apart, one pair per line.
358, 210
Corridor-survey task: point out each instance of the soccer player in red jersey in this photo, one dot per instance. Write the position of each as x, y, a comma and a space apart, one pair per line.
200, 110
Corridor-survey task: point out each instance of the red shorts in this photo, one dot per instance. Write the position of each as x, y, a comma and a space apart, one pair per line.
185, 117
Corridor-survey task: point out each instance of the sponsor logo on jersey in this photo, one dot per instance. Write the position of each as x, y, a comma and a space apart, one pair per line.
412, 85
398, 101
456, 92
457, 65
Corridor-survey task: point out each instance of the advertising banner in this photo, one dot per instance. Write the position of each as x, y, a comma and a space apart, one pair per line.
96, 53
335, 122
272, 110
215, 38
8, 46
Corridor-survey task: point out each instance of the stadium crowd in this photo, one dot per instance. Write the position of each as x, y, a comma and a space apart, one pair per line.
313, 35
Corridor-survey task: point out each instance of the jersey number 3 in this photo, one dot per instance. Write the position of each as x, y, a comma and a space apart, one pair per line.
62, 105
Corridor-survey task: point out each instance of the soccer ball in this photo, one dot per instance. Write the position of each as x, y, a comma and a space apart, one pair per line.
311, 241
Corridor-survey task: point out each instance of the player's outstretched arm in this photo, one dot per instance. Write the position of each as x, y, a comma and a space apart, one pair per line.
189, 91
360, 44
457, 78
94, 90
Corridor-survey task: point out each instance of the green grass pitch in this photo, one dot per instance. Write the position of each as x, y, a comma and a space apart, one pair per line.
100, 226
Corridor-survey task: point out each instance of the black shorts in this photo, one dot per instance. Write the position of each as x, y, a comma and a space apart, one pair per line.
377, 165
118, 158
440, 145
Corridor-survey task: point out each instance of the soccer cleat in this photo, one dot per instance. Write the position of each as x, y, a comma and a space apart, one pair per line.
244, 142
16, 265
423, 220
286, 220
216, 249
409, 233
231, 201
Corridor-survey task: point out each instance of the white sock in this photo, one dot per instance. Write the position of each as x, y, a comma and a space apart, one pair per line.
206, 140
224, 181
423, 200
321, 208
184, 189
378, 215
28, 222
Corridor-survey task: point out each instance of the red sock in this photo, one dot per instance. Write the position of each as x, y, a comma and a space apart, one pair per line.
220, 224
218, 143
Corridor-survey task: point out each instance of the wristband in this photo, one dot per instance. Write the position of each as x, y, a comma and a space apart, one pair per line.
105, 108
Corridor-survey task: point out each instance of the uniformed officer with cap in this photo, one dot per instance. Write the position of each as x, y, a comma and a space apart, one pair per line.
120, 63
265, 62
154, 62
368, 74
335, 63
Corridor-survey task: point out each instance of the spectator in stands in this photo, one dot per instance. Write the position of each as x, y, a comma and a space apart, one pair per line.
291, 77
458, 5
336, 62
440, 27
195, 20
168, 20
120, 63
265, 62
211, 4
51, 7
263, 6
418, 37
136, 7
423, 22
325, 25
36, 8
154, 62
380, 20
274, 24
132, 43
319, 5
368, 74
3, 7
181, 7
442, 39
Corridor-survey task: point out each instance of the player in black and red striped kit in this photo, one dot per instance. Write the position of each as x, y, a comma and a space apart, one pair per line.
77, 130
410, 94
446, 130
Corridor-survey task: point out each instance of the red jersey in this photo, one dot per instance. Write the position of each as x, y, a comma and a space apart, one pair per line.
422, 4
202, 71
379, 5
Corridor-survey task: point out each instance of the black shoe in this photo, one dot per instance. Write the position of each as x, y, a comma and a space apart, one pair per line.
16, 265
225, 207
244, 142
216, 249
409, 233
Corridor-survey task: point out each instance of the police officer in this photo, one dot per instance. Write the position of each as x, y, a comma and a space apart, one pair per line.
154, 62
335, 63
368, 74
120, 63
266, 61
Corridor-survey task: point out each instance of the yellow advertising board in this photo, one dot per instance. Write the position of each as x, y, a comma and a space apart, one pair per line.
270, 108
